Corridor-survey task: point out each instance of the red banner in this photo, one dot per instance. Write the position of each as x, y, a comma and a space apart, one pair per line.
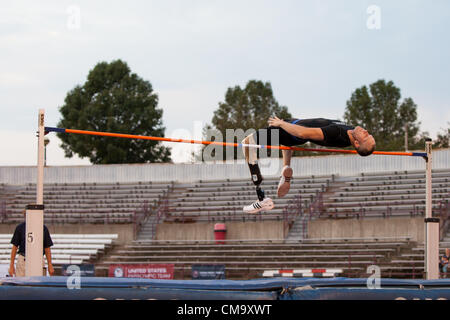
147, 271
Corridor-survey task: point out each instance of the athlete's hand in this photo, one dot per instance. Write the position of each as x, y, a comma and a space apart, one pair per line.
275, 121
12, 271
51, 271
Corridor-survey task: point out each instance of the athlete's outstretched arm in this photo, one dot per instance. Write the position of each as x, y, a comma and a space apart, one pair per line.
296, 130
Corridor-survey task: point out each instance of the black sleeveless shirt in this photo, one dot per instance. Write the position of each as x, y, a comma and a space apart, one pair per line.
334, 131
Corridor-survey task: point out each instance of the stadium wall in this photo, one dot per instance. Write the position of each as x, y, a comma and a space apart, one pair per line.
368, 228
235, 231
317, 229
344, 165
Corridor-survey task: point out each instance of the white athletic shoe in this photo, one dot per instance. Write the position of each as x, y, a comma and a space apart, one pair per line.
255, 207
285, 181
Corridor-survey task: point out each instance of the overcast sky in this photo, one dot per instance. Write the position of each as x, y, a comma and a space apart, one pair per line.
314, 53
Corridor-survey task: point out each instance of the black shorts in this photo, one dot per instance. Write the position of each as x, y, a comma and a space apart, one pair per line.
275, 136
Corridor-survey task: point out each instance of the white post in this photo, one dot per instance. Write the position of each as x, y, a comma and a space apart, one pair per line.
431, 224
40, 160
34, 221
34, 239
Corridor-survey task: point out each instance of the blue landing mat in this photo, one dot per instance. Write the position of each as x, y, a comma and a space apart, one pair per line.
88, 288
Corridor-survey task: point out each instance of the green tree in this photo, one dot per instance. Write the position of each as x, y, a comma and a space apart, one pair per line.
443, 139
244, 110
248, 108
113, 100
379, 110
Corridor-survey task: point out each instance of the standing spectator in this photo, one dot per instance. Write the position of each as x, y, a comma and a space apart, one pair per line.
443, 263
19, 244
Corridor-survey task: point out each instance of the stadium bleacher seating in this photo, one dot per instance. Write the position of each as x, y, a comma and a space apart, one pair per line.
245, 259
84, 203
224, 200
368, 195
68, 248
384, 195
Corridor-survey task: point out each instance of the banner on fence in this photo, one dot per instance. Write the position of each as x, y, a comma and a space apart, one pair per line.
208, 271
147, 271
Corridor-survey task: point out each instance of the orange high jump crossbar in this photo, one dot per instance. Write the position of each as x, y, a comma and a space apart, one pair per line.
227, 144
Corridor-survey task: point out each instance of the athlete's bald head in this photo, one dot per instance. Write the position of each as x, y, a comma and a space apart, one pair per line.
364, 142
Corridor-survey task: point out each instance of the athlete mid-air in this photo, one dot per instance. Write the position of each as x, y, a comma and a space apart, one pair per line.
294, 132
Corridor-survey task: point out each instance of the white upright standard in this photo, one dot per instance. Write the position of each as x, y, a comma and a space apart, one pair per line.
34, 230
431, 224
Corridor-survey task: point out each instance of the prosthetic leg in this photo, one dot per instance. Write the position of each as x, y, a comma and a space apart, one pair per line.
251, 156
257, 179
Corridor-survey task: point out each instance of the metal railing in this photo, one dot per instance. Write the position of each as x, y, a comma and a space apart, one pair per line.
160, 216
444, 215
139, 216
316, 207
290, 213
156, 216
2, 211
